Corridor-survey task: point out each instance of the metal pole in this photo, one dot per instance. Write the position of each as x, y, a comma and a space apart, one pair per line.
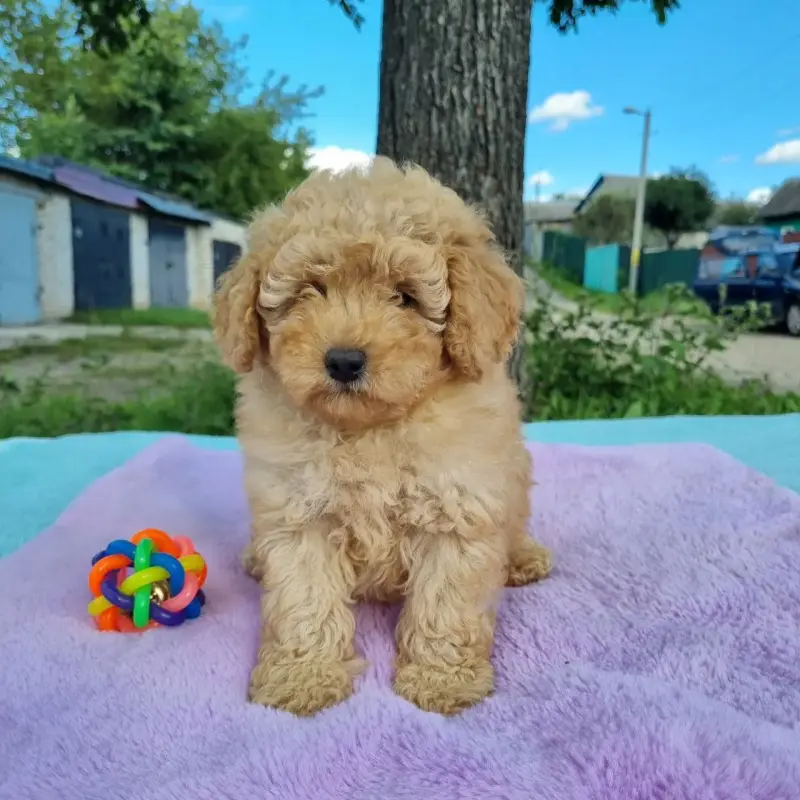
638, 219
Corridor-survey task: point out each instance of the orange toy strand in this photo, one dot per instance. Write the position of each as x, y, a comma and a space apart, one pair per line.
102, 568
107, 620
161, 541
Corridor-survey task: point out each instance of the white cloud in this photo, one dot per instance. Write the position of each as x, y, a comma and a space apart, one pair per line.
782, 153
13, 152
541, 178
759, 196
337, 159
729, 159
564, 108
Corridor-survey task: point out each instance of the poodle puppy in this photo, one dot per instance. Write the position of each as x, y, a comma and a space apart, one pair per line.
370, 321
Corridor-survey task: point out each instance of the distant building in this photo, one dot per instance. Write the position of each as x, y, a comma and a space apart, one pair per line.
556, 215
624, 185
75, 239
782, 212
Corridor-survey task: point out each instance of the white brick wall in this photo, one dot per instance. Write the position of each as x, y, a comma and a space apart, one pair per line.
200, 257
199, 265
55, 256
140, 261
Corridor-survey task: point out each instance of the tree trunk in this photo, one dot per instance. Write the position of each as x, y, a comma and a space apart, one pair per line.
453, 99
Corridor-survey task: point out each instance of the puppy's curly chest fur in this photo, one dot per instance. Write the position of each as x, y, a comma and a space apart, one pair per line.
376, 492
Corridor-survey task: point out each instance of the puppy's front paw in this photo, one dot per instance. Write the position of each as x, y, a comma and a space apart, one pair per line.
301, 687
528, 563
444, 689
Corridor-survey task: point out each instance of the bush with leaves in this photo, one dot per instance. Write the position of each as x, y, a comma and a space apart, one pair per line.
162, 109
586, 365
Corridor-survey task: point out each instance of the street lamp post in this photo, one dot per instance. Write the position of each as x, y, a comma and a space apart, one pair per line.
638, 217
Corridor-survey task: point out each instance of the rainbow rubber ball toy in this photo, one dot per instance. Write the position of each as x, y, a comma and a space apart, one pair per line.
164, 586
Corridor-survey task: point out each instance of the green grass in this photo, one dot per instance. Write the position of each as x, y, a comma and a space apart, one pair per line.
583, 367
77, 348
199, 400
162, 317
657, 303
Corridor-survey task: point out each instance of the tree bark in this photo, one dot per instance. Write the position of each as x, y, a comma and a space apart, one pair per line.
453, 99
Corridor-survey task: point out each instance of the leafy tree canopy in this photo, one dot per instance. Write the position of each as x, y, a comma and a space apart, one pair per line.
161, 110
97, 20
737, 213
678, 203
608, 219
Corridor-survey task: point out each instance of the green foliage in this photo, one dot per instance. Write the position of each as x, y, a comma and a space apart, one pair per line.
607, 220
99, 21
564, 14
585, 366
636, 364
739, 213
677, 204
198, 401
161, 111
155, 317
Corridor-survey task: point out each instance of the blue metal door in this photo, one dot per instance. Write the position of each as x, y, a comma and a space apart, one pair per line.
168, 279
19, 267
101, 253
225, 253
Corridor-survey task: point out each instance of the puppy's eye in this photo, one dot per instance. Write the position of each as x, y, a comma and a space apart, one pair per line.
319, 288
407, 300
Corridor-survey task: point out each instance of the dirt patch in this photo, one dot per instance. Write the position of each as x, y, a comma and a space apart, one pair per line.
115, 369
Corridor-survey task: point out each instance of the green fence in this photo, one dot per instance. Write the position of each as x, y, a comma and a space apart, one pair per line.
669, 266
565, 252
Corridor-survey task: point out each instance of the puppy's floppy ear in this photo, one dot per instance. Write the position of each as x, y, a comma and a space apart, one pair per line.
485, 309
238, 328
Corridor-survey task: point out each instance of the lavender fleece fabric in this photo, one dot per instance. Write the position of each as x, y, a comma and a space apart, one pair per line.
661, 660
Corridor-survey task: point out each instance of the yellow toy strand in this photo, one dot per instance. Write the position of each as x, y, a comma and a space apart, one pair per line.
191, 563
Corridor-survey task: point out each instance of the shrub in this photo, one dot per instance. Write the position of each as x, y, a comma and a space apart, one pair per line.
584, 366
639, 364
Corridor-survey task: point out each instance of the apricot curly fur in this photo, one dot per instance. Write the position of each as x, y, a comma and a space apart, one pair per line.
411, 484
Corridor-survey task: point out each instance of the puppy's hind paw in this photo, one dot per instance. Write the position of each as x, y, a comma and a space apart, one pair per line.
251, 564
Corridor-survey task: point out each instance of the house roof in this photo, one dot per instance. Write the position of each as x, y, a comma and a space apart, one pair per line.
25, 168
784, 203
610, 184
555, 211
97, 185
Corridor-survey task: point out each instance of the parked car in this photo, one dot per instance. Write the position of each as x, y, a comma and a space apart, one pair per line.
768, 277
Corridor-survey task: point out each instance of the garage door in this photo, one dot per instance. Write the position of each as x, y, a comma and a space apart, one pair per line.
101, 251
19, 269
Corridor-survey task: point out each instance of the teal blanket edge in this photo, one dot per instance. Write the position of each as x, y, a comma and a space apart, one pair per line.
40, 477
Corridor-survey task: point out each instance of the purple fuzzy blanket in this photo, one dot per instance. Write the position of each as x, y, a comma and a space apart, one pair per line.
661, 661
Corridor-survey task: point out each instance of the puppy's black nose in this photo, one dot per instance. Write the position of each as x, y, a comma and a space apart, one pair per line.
345, 365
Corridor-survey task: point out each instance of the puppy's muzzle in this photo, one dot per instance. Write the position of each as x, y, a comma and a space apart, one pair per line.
345, 365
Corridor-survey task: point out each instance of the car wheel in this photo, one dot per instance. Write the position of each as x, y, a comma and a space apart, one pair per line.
793, 320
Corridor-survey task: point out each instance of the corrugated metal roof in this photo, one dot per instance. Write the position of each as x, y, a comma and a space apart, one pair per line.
27, 168
172, 208
555, 211
104, 188
611, 184
88, 184
784, 203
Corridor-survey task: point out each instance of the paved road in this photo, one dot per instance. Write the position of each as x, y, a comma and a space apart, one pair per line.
773, 356
57, 332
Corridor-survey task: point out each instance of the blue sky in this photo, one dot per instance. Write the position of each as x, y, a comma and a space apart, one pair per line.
721, 80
